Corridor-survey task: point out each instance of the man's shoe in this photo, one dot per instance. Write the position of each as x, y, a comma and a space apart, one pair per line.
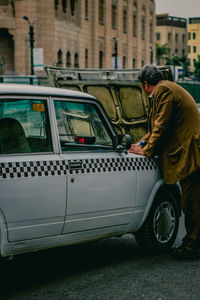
183, 253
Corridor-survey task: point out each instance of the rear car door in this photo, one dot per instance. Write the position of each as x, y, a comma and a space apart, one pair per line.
32, 181
101, 181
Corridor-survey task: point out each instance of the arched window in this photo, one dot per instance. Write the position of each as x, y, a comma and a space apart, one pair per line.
100, 59
114, 16
68, 60
86, 58
64, 5
134, 63
101, 11
135, 24
60, 58
56, 4
72, 7
124, 62
143, 27
76, 60
125, 20
86, 9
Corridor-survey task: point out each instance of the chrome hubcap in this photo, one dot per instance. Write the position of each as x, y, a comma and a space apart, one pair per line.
164, 222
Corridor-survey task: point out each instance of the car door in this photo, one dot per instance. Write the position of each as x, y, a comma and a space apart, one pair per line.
101, 181
32, 181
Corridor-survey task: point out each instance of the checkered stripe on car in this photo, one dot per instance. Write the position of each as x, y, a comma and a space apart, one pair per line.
117, 164
61, 167
33, 168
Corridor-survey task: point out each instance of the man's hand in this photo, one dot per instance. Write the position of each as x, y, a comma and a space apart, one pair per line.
136, 149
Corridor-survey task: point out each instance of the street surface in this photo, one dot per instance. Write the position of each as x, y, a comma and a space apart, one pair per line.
112, 268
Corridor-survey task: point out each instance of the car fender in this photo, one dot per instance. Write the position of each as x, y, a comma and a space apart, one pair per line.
157, 187
3, 232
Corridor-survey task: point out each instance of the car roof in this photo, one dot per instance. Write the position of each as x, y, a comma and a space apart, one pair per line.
25, 89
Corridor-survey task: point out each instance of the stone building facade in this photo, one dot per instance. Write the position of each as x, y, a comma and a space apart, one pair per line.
172, 32
77, 33
193, 41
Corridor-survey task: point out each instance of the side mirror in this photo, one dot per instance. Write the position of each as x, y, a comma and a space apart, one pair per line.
124, 141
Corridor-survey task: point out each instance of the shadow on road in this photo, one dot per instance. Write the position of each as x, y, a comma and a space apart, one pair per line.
33, 269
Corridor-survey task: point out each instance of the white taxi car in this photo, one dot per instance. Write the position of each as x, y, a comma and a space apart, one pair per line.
66, 177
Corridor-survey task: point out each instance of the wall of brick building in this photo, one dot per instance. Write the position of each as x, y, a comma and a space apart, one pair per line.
58, 30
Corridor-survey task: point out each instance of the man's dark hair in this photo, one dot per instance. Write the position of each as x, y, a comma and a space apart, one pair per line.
151, 74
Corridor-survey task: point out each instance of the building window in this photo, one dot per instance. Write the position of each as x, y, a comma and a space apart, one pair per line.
86, 58
176, 51
169, 36
72, 7
134, 63
194, 49
151, 32
64, 5
183, 38
142, 63
189, 35
76, 60
100, 59
158, 36
176, 37
194, 62
183, 52
60, 58
124, 62
86, 9
143, 28
125, 20
135, 25
189, 61
194, 35
189, 49
68, 60
56, 5
114, 16
101, 11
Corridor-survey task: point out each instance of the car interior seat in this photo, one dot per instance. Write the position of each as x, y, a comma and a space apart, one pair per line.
12, 137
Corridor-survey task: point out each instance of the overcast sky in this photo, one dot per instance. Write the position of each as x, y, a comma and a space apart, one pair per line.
179, 8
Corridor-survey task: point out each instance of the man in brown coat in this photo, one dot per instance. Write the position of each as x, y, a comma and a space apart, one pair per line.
174, 135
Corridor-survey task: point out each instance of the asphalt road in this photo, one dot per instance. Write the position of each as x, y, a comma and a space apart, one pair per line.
112, 268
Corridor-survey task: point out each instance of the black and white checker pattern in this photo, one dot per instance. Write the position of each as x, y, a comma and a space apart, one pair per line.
33, 169
61, 167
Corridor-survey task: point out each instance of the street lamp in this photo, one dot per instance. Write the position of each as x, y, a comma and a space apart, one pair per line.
31, 34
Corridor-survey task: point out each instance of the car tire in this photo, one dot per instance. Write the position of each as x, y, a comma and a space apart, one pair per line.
159, 230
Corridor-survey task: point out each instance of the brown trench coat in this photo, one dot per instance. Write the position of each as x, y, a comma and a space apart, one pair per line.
174, 131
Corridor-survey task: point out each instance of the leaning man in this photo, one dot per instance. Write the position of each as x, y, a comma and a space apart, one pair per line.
174, 135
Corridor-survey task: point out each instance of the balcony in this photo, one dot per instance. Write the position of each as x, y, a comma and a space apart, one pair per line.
166, 20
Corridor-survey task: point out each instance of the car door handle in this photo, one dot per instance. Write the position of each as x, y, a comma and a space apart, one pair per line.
75, 165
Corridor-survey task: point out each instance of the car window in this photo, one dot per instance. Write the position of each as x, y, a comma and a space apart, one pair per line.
81, 125
24, 126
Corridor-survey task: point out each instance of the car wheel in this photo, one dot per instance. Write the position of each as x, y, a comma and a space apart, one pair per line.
159, 231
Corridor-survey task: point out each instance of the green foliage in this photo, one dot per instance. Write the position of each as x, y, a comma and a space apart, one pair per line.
181, 61
162, 51
197, 67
